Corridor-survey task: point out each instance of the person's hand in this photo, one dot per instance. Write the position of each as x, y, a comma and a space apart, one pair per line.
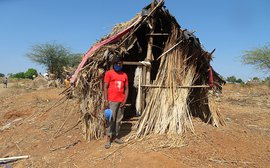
106, 104
122, 104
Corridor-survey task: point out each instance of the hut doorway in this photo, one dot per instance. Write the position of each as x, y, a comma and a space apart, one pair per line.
130, 68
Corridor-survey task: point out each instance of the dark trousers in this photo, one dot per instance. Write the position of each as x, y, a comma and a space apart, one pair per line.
113, 126
5, 85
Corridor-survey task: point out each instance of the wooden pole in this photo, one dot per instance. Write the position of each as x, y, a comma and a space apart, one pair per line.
149, 57
13, 158
134, 63
157, 34
170, 49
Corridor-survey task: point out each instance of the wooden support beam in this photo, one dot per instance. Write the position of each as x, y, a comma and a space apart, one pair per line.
158, 34
135, 63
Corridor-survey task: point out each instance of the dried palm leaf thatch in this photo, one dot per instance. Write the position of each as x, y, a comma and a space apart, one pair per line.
216, 119
167, 109
89, 91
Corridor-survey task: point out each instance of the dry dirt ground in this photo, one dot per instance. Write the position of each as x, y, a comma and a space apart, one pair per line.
53, 137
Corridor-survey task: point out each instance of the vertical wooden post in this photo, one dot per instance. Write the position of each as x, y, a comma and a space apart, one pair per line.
149, 57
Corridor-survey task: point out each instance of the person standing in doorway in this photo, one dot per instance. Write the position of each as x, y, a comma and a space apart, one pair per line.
5, 81
115, 95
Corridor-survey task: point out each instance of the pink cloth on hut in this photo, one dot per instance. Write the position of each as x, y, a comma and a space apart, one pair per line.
97, 46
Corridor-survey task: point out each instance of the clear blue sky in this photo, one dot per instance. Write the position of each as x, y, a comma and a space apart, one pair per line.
230, 26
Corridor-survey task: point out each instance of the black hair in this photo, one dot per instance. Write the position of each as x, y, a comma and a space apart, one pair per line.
116, 59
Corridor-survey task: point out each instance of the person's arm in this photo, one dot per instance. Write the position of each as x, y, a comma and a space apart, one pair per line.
106, 101
126, 96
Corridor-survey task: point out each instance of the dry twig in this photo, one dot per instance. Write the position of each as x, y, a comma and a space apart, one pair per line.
66, 146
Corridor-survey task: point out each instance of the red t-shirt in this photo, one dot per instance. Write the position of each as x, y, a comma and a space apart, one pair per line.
117, 83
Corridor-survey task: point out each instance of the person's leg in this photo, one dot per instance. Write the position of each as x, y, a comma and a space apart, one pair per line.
114, 106
117, 117
110, 127
108, 134
120, 115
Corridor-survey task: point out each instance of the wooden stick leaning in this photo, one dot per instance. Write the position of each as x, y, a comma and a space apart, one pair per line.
170, 49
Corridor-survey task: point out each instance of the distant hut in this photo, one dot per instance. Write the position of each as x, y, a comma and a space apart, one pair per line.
169, 75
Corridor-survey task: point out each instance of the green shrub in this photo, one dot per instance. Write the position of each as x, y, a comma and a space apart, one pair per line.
19, 75
30, 73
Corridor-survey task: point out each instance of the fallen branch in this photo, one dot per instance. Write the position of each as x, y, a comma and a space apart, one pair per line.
79, 121
221, 161
56, 134
59, 102
66, 146
14, 158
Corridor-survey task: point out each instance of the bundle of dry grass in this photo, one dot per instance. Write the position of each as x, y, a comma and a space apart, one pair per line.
167, 106
89, 90
174, 86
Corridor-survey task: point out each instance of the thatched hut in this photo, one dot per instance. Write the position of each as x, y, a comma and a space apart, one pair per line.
169, 75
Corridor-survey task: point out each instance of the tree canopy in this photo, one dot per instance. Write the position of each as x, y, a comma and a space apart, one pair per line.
54, 57
19, 75
30, 73
233, 79
259, 57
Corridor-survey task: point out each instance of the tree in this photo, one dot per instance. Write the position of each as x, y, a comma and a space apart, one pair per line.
267, 79
239, 81
74, 60
2, 75
255, 78
231, 79
30, 73
259, 57
19, 75
52, 56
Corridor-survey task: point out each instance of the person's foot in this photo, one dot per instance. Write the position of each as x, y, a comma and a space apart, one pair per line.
107, 144
118, 141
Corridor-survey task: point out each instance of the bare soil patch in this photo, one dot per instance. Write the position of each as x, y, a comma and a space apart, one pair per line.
53, 138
